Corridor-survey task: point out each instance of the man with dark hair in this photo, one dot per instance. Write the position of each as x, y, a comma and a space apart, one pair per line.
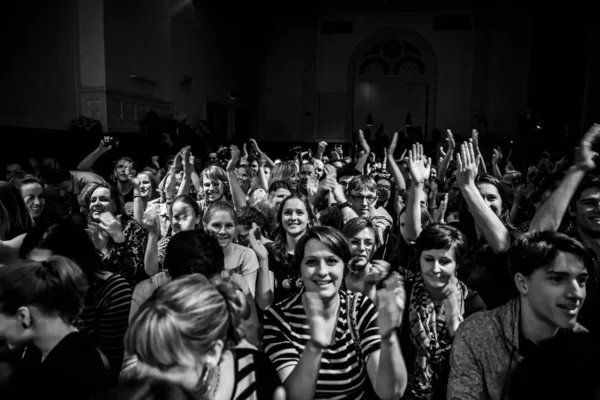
550, 272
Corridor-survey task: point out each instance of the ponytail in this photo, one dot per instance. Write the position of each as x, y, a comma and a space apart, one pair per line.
57, 285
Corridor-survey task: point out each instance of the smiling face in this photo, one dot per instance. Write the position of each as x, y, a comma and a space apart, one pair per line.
101, 202
437, 267
222, 226
213, 190
244, 179
146, 190
322, 270
294, 217
491, 197
33, 194
587, 212
556, 292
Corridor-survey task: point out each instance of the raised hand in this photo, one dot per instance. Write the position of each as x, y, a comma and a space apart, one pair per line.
235, 158
255, 147
363, 142
322, 146
584, 155
135, 182
467, 165
150, 219
378, 269
393, 144
452, 305
419, 165
390, 304
105, 144
451, 142
256, 245
321, 323
497, 156
111, 225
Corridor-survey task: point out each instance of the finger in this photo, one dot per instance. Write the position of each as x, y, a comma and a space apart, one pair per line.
459, 163
410, 158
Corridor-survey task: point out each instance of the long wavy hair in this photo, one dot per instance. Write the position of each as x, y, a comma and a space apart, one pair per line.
280, 235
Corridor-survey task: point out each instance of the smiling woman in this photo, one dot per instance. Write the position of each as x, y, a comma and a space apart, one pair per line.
327, 343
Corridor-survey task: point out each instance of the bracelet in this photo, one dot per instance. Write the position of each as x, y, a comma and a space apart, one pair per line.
343, 205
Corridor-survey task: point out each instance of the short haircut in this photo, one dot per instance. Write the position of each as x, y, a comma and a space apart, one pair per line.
362, 182
538, 249
357, 225
441, 236
191, 252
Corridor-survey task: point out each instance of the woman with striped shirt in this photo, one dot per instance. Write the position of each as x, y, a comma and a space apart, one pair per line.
329, 344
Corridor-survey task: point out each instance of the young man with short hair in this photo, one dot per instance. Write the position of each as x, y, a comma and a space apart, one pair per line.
550, 272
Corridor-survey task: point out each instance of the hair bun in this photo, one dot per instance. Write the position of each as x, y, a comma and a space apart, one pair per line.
237, 306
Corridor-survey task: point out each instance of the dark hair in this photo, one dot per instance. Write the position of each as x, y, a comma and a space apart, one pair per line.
279, 236
441, 236
357, 225
275, 186
189, 200
14, 215
20, 179
192, 252
537, 249
347, 170
219, 205
65, 238
590, 181
128, 159
330, 237
248, 215
53, 172
85, 196
57, 285
563, 367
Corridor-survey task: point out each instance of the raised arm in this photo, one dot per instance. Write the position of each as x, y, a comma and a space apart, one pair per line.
237, 194
552, 212
443, 167
360, 165
391, 163
420, 168
487, 221
87, 163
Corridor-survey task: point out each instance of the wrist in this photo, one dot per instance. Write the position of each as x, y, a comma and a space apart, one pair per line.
388, 337
316, 345
118, 237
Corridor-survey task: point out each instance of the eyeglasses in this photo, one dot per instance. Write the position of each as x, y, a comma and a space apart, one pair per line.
360, 199
383, 187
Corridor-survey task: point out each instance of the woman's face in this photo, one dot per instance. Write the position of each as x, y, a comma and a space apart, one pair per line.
33, 194
278, 196
146, 190
222, 226
254, 166
184, 217
294, 217
362, 247
213, 190
491, 197
292, 181
322, 271
437, 267
100, 202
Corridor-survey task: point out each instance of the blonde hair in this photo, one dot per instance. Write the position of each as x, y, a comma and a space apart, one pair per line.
183, 319
283, 171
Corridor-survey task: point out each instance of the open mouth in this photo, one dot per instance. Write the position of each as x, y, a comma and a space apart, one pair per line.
572, 309
322, 283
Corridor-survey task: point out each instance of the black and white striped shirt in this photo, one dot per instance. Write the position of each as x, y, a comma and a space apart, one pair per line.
341, 375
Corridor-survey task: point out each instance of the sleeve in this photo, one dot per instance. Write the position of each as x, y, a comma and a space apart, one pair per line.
276, 340
267, 379
131, 253
162, 252
113, 320
466, 378
370, 339
249, 261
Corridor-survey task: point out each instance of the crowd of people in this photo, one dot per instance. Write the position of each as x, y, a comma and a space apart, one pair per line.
312, 275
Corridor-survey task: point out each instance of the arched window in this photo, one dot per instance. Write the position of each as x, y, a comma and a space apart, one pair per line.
391, 57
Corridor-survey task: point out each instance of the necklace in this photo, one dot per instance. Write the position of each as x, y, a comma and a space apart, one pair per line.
214, 390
